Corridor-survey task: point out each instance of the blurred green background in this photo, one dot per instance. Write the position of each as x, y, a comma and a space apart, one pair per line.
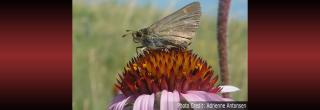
100, 53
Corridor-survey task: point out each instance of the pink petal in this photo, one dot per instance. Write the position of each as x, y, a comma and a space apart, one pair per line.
149, 102
176, 99
118, 102
193, 96
137, 104
163, 100
118, 98
144, 102
169, 100
207, 96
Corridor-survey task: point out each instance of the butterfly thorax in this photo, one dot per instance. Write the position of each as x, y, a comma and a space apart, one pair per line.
141, 34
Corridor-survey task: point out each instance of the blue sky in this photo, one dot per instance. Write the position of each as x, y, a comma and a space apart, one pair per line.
238, 10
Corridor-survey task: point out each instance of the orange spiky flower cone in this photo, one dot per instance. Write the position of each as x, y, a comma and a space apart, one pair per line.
165, 77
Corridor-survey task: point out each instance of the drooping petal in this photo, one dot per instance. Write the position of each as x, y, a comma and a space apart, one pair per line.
173, 99
191, 96
203, 96
163, 100
169, 100
176, 99
208, 96
150, 102
118, 102
144, 102
228, 88
137, 104
118, 98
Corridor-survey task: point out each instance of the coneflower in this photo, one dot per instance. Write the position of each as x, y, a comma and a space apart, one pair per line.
160, 79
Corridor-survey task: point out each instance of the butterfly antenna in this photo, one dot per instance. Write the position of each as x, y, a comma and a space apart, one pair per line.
129, 30
127, 33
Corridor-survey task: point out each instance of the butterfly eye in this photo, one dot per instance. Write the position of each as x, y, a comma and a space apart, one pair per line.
138, 34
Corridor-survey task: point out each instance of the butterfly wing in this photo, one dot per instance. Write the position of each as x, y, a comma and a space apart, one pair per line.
180, 26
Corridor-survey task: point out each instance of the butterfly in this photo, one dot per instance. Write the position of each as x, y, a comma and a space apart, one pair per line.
174, 30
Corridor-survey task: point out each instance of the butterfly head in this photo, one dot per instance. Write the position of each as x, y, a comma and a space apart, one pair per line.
137, 36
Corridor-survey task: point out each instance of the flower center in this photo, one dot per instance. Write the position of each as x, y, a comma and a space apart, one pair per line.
171, 69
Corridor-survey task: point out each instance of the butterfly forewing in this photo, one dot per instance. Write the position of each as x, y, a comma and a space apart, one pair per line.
180, 25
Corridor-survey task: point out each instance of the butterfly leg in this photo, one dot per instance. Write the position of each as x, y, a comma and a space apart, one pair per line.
142, 48
183, 48
166, 49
